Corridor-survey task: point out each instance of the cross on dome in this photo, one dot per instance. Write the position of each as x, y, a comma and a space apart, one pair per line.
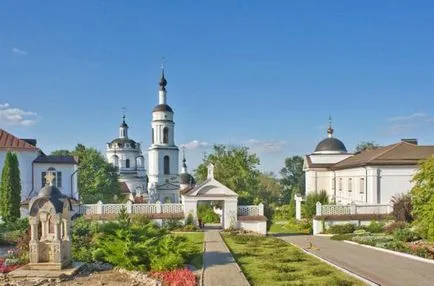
49, 177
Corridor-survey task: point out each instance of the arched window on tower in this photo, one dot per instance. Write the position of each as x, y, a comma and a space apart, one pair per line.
165, 135
127, 163
166, 165
153, 139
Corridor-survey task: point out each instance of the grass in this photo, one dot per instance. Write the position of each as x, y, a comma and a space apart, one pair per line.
271, 261
290, 227
197, 240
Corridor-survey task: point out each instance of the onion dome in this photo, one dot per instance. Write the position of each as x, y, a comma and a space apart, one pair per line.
330, 145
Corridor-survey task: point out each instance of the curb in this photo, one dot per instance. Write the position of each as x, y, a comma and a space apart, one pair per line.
406, 255
203, 262
238, 267
357, 276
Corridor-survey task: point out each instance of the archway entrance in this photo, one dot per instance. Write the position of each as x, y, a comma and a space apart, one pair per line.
212, 190
210, 214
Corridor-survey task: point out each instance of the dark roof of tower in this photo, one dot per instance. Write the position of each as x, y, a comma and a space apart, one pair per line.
53, 195
121, 142
187, 179
162, 107
331, 144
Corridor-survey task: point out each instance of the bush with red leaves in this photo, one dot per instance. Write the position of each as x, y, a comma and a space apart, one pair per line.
7, 269
178, 277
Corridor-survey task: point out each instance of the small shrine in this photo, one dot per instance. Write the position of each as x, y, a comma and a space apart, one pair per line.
50, 228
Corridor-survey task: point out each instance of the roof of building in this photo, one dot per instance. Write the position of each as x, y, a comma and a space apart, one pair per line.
56, 159
187, 179
331, 144
10, 142
317, 165
124, 188
162, 107
120, 142
402, 153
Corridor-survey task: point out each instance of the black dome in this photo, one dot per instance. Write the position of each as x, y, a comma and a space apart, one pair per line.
186, 179
331, 144
120, 142
162, 107
123, 124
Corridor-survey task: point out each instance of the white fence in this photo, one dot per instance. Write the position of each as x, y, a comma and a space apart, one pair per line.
352, 209
251, 210
157, 208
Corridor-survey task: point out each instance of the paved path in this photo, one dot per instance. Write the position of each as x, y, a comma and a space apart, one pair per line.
377, 266
220, 266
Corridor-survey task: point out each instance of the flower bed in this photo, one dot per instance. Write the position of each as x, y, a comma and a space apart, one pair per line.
11, 262
178, 277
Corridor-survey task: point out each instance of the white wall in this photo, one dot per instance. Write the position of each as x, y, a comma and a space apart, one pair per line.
66, 169
256, 226
25, 159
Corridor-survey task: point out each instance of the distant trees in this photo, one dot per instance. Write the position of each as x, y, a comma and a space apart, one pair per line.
97, 179
366, 145
10, 189
293, 178
422, 199
234, 167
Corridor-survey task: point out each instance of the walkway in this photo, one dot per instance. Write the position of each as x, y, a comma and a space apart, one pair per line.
220, 266
376, 266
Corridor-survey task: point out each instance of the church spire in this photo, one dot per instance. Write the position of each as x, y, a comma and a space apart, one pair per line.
330, 129
163, 83
184, 165
123, 129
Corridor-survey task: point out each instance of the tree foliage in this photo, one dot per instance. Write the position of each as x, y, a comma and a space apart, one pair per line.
97, 179
270, 190
62, 152
10, 189
309, 206
366, 145
293, 178
234, 167
422, 198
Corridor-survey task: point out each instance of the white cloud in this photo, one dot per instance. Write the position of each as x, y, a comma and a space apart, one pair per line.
265, 146
195, 144
16, 116
410, 117
19, 52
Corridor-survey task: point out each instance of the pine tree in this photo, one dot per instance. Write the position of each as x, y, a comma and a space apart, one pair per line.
10, 189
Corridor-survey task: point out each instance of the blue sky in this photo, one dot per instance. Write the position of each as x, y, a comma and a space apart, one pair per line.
266, 74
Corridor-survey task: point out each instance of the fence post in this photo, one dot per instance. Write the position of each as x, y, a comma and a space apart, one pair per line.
318, 208
99, 207
261, 209
389, 208
129, 207
158, 207
298, 200
353, 208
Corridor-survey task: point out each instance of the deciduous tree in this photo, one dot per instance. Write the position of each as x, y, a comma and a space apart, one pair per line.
422, 198
366, 145
293, 178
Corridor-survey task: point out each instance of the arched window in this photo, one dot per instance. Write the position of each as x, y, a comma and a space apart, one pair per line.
166, 165
153, 139
127, 163
165, 135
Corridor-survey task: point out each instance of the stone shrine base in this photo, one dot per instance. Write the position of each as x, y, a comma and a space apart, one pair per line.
26, 272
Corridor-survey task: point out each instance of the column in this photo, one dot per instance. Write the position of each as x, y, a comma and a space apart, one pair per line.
298, 200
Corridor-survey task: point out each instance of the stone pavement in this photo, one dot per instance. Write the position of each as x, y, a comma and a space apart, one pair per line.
377, 266
220, 266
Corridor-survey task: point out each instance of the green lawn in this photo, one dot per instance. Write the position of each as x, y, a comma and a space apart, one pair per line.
290, 227
271, 261
197, 240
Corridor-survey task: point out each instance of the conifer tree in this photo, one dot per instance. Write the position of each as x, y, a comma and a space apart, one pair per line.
10, 189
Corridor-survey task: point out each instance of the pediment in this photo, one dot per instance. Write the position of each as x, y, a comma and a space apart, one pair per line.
211, 188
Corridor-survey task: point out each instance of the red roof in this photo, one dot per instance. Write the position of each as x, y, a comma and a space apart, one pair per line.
10, 142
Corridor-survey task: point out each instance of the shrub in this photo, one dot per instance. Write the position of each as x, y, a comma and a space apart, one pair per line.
206, 212
346, 236
402, 208
372, 240
375, 227
405, 235
189, 220
360, 232
341, 228
309, 207
391, 227
285, 212
171, 224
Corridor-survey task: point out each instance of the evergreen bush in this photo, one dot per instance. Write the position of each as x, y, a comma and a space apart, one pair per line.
10, 189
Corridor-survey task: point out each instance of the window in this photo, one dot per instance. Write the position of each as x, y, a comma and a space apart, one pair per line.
127, 163
362, 185
57, 181
153, 140
340, 184
165, 135
350, 184
166, 165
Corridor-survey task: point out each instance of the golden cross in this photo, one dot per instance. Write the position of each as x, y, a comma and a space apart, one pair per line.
49, 177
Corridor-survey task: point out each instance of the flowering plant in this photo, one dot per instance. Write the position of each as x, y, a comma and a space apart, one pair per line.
178, 277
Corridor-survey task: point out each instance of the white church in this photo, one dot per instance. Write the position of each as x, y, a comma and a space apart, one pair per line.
162, 181
369, 177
